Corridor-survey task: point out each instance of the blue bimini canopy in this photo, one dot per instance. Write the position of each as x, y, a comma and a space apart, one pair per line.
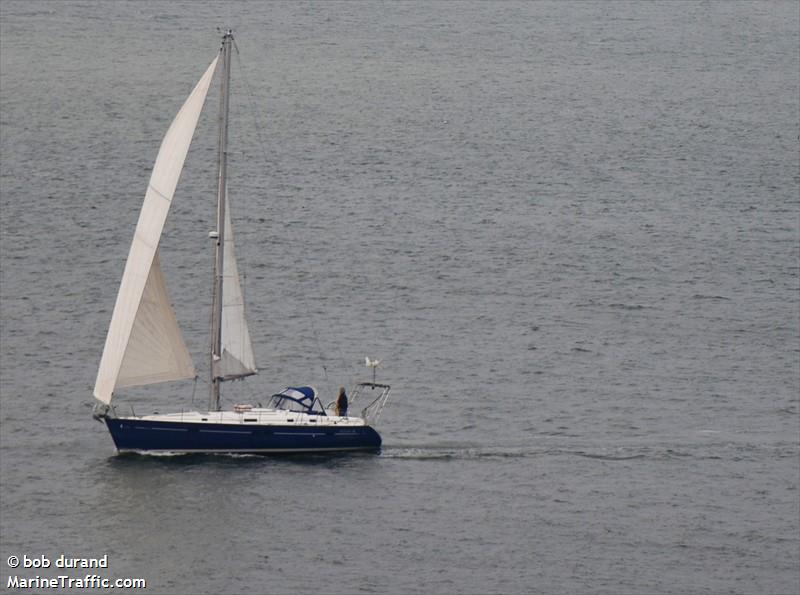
298, 398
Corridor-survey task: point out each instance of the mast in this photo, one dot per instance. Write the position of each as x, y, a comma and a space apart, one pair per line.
216, 314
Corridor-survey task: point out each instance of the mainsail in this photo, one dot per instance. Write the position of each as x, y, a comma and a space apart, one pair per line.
142, 302
237, 359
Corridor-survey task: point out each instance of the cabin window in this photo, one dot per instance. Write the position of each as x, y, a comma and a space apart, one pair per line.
250, 419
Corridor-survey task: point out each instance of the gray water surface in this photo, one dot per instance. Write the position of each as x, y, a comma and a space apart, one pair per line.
569, 230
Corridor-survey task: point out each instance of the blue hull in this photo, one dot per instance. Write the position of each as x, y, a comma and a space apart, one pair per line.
159, 436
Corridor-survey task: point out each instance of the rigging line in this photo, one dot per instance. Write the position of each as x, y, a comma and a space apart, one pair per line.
257, 115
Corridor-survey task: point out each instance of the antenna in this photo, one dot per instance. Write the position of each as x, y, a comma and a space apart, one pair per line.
372, 363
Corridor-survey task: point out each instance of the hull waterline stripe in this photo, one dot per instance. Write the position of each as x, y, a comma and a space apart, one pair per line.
245, 450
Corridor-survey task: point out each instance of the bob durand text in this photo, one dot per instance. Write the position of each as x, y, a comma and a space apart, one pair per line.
64, 561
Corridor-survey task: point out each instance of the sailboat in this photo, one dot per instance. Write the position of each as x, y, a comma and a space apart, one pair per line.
145, 346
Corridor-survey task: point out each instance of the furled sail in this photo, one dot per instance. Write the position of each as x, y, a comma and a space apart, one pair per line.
142, 280
237, 359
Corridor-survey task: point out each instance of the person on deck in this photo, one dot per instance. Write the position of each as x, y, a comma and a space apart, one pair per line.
341, 403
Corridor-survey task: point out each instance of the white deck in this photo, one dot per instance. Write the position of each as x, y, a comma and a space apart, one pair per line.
253, 417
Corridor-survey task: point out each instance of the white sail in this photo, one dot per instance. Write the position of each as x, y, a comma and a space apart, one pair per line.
156, 351
138, 268
237, 358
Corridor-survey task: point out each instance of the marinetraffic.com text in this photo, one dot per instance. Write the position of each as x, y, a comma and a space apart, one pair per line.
65, 581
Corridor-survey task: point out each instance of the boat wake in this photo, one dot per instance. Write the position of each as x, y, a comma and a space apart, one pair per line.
599, 453
438, 452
